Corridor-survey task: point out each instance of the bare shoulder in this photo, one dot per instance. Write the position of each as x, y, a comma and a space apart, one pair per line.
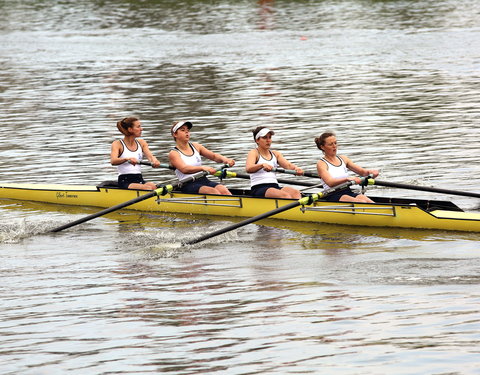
198, 146
252, 151
252, 156
174, 155
278, 154
142, 142
322, 164
344, 158
117, 144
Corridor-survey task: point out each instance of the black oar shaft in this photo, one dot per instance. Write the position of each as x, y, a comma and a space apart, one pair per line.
162, 165
424, 188
161, 190
106, 211
302, 201
242, 223
397, 185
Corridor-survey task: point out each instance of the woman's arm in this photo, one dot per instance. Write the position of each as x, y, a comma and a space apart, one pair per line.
177, 162
359, 170
146, 151
325, 175
252, 166
116, 151
284, 163
213, 156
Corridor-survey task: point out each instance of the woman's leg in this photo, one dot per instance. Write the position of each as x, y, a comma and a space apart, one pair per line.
219, 189
145, 186
292, 192
277, 193
359, 198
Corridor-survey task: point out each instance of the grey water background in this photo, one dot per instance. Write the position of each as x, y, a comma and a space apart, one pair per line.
398, 81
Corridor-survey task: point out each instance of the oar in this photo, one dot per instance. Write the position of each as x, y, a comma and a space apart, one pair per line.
396, 185
162, 165
291, 171
161, 190
372, 181
301, 202
224, 174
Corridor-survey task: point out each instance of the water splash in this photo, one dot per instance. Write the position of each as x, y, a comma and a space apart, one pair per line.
170, 242
161, 250
17, 230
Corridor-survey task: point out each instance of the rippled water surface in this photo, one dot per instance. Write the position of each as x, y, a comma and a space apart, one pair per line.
398, 81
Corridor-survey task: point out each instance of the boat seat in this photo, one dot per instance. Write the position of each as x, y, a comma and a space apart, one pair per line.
109, 184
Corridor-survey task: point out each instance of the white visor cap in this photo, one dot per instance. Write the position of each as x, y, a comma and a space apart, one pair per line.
179, 124
264, 132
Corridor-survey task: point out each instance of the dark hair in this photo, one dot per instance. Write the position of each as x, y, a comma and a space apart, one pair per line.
320, 141
171, 128
257, 130
125, 124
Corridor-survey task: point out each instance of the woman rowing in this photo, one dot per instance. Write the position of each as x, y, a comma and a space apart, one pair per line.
261, 161
186, 158
127, 153
333, 170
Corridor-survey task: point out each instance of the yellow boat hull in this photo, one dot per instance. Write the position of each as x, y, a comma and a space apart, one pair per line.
387, 213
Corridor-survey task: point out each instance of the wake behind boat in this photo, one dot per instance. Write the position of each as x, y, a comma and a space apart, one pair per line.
385, 212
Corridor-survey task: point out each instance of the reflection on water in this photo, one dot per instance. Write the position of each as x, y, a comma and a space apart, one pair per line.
396, 80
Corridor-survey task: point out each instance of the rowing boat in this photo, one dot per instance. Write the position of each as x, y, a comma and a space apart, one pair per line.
385, 212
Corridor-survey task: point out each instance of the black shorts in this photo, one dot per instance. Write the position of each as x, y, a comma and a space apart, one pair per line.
132, 178
260, 189
335, 197
194, 186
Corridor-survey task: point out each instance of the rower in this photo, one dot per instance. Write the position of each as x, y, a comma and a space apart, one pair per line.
127, 153
186, 158
260, 164
333, 170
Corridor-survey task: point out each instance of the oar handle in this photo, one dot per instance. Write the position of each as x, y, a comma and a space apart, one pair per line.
162, 165
291, 171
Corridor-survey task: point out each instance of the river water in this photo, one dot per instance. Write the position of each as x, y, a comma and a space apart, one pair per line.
398, 81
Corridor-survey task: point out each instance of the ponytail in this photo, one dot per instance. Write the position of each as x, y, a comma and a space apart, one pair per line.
125, 124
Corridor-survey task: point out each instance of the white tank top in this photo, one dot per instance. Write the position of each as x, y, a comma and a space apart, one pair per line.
262, 176
194, 160
340, 171
127, 168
